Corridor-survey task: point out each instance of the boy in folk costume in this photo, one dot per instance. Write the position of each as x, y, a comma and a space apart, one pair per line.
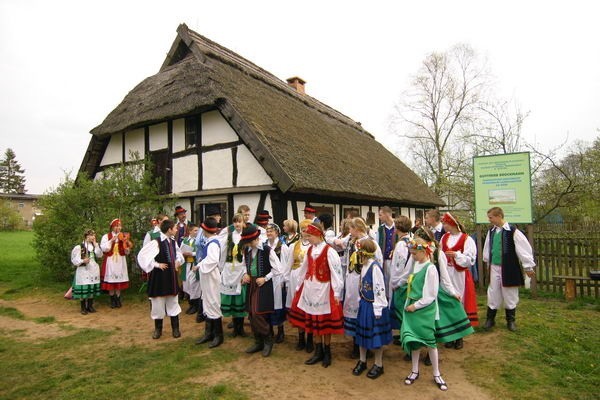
421, 311
161, 259
154, 233
433, 222
209, 257
506, 249
182, 225
114, 273
233, 293
318, 297
399, 260
310, 213
461, 251
386, 238
373, 330
295, 253
262, 265
279, 289
262, 220
86, 282
191, 284
358, 234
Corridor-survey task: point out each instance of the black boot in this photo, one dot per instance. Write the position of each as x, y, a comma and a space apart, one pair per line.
240, 322
448, 345
510, 319
280, 334
175, 326
90, 306
301, 341
118, 301
258, 345
268, 340
200, 317
235, 331
84, 307
310, 346
193, 308
355, 353
458, 344
230, 325
113, 301
318, 356
158, 325
326, 356
490, 319
217, 332
208, 332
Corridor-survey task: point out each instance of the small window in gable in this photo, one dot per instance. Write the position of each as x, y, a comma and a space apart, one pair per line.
192, 131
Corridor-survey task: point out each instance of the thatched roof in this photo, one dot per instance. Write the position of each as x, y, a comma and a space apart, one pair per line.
306, 146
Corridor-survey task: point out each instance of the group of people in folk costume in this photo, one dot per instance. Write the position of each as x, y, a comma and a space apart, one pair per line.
360, 283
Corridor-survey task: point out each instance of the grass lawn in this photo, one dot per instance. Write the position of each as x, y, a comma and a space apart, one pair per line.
553, 355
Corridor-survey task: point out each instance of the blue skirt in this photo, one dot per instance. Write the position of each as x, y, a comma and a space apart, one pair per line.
372, 333
350, 326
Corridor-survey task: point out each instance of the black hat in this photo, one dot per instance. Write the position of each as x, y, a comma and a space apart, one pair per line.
249, 233
263, 217
212, 209
210, 225
179, 210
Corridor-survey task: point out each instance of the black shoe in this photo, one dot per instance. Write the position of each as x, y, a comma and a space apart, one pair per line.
268, 347
318, 356
235, 331
490, 319
240, 322
193, 308
258, 345
410, 379
113, 301
310, 346
439, 381
427, 360
449, 345
217, 333
355, 354
118, 301
375, 372
326, 356
208, 332
200, 317
175, 327
280, 334
158, 325
90, 306
458, 344
360, 368
397, 342
510, 319
84, 307
301, 341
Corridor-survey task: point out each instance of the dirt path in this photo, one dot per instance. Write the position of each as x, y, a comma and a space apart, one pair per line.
283, 375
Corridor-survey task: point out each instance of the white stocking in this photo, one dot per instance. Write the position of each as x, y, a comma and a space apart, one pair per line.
363, 354
433, 356
415, 360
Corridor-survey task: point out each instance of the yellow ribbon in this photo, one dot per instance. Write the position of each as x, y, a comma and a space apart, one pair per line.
234, 253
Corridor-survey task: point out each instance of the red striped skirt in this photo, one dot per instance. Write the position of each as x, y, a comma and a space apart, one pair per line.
325, 324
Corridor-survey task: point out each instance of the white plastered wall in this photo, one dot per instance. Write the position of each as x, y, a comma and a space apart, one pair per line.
217, 169
178, 135
158, 137
215, 129
114, 150
250, 172
185, 173
134, 143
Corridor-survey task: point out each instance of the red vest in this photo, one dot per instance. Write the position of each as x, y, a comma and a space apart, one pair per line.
119, 244
319, 267
458, 246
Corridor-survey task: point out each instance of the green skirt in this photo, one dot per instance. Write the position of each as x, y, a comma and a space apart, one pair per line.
234, 305
453, 323
397, 306
418, 328
85, 291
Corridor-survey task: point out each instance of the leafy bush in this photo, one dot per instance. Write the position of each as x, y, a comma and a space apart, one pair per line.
128, 192
10, 219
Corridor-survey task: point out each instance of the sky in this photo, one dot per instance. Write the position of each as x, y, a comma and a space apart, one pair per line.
64, 65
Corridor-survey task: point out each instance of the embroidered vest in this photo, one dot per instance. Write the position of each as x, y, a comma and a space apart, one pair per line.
263, 266
458, 246
318, 267
366, 284
167, 252
119, 245
387, 241
203, 249
511, 267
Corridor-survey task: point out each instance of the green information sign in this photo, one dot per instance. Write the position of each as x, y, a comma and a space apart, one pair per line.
504, 181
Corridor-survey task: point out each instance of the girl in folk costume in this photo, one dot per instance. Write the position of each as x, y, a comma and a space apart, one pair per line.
290, 232
460, 250
421, 311
295, 253
279, 289
114, 273
86, 282
262, 266
209, 257
318, 297
373, 330
161, 259
397, 267
191, 285
233, 293
358, 234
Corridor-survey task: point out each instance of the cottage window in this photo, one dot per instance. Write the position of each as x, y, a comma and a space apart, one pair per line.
192, 131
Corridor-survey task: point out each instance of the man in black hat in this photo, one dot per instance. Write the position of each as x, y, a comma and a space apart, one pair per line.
182, 224
213, 211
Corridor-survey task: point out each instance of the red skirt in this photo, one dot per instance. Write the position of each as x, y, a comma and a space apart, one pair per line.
325, 324
470, 300
114, 285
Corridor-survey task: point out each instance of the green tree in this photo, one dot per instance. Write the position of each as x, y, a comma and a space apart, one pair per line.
128, 192
12, 179
10, 219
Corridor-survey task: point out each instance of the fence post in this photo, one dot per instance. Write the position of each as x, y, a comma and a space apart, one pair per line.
534, 279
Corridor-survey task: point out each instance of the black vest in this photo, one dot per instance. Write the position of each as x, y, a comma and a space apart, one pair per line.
164, 282
512, 275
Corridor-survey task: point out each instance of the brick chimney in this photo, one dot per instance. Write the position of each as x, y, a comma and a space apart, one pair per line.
297, 83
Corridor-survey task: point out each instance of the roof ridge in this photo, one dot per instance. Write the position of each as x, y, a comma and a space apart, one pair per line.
214, 49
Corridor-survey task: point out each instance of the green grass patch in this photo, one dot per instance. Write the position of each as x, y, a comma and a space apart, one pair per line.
11, 312
553, 354
44, 320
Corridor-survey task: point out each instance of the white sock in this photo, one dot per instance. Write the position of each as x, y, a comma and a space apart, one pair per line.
433, 356
415, 360
379, 357
363, 354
